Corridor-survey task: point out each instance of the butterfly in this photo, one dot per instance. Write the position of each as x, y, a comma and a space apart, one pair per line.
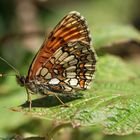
65, 63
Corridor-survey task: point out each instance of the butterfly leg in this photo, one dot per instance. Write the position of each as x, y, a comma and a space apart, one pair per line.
63, 104
29, 100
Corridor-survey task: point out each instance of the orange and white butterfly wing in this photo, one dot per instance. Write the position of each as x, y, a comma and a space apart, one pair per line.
65, 61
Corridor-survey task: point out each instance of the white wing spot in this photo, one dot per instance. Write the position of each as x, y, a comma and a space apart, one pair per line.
73, 62
44, 71
56, 71
84, 50
58, 54
52, 60
88, 77
48, 76
73, 82
63, 56
75, 12
67, 88
71, 74
89, 57
54, 81
88, 64
67, 80
72, 68
69, 58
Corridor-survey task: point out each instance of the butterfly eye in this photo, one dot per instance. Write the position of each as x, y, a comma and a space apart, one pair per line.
21, 80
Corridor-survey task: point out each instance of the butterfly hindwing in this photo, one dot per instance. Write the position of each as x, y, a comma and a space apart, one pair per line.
72, 68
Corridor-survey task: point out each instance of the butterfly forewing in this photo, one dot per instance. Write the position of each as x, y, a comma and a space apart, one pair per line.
65, 62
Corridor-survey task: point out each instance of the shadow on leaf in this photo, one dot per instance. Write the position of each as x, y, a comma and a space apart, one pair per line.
50, 101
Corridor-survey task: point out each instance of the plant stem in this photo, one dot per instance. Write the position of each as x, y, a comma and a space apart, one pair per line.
56, 129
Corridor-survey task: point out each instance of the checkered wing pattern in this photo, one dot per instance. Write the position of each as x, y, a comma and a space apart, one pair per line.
65, 62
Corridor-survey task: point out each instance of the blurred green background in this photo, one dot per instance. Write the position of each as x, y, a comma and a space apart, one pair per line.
23, 27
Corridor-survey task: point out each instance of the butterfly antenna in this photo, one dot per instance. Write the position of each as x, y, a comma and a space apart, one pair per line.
11, 66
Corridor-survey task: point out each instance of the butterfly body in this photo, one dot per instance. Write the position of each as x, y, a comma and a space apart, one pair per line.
66, 62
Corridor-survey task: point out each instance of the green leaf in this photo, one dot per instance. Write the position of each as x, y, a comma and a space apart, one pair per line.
109, 69
107, 35
112, 101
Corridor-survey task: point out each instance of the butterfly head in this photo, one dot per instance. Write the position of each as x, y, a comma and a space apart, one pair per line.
21, 80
